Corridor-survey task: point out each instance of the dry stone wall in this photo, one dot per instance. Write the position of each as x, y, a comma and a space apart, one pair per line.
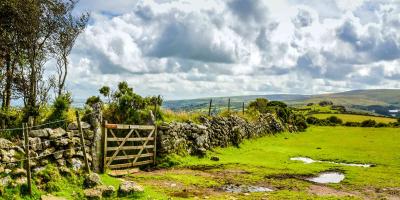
56, 146
196, 139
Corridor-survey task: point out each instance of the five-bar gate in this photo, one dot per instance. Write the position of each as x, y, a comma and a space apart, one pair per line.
128, 146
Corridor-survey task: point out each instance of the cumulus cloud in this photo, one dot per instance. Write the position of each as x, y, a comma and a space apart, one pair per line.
186, 49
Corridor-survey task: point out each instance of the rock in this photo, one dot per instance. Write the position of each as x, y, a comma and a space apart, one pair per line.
4, 143
65, 171
61, 162
74, 126
35, 144
92, 194
48, 151
46, 144
76, 164
4, 182
1, 169
61, 142
214, 158
56, 133
129, 187
92, 180
51, 197
107, 191
40, 132
21, 180
18, 172
38, 169
69, 153
58, 155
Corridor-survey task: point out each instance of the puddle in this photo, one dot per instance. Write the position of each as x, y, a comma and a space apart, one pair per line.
245, 188
309, 160
327, 177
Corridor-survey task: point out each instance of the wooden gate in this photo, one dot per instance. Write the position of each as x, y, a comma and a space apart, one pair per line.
128, 146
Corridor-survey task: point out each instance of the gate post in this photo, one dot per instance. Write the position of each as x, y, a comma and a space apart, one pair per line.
95, 122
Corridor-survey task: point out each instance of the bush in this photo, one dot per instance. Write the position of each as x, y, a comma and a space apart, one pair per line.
300, 122
325, 103
259, 104
381, 125
368, 123
335, 120
352, 124
61, 106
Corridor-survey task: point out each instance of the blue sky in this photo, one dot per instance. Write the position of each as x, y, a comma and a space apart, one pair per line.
188, 48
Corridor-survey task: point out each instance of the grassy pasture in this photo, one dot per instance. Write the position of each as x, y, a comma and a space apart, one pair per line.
356, 118
266, 162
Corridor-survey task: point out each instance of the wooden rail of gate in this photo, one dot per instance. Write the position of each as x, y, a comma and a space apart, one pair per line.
131, 146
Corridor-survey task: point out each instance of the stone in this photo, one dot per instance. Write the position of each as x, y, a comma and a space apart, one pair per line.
48, 151
92, 194
35, 144
4, 182
4, 143
40, 132
58, 155
69, 153
92, 180
61, 142
65, 171
46, 144
21, 180
18, 172
106, 190
129, 187
61, 162
51, 197
38, 169
57, 133
76, 164
74, 126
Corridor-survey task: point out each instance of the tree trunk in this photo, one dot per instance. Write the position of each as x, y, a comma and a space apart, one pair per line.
7, 88
63, 75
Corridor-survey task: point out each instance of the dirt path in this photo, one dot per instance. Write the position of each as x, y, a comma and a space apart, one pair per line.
237, 184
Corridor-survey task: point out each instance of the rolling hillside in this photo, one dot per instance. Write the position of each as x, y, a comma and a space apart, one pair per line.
379, 101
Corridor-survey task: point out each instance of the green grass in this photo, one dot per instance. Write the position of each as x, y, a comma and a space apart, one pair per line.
356, 118
270, 155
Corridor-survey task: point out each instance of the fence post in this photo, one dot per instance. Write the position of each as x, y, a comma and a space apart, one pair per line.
82, 142
105, 146
229, 105
26, 129
155, 134
243, 108
209, 108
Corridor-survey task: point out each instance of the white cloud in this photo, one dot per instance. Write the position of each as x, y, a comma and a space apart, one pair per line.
187, 49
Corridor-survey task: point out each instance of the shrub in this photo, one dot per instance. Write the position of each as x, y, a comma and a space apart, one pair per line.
368, 123
381, 124
325, 103
300, 122
335, 120
352, 124
61, 106
259, 104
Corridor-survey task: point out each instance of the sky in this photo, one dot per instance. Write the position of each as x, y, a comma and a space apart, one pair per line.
186, 49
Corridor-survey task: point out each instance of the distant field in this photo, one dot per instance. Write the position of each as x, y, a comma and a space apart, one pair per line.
355, 118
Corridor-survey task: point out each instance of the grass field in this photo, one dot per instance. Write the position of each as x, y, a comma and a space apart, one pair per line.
266, 162
356, 118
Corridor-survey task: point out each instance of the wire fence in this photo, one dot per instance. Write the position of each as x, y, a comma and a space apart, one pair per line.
28, 144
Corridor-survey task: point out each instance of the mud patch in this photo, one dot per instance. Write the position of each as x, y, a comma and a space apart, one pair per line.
245, 188
327, 191
327, 177
309, 161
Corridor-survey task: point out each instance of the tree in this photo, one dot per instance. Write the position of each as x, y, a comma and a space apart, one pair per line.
105, 91
259, 104
69, 29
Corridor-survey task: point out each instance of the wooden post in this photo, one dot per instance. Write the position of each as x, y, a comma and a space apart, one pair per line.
209, 108
229, 105
26, 129
155, 134
243, 108
82, 142
105, 146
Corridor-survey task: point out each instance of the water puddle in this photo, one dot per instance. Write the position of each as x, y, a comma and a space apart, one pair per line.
327, 177
309, 160
245, 188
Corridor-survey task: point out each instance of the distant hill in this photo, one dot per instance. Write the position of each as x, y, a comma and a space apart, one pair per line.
379, 101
